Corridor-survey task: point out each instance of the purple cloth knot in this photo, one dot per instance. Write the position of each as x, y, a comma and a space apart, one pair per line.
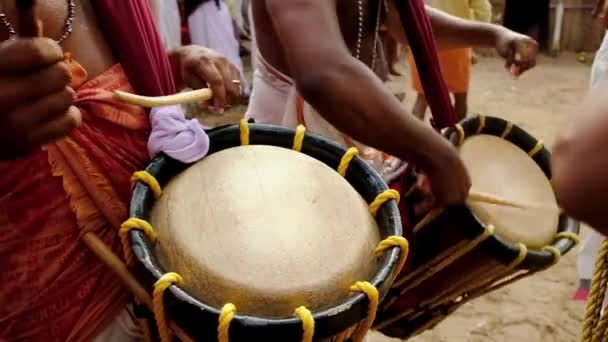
182, 139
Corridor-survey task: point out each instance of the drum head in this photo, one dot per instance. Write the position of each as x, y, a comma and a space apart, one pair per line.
500, 168
266, 228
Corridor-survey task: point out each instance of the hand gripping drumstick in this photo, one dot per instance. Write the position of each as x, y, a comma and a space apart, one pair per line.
193, 96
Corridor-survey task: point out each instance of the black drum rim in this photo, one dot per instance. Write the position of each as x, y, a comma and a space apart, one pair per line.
504, 129
328, 321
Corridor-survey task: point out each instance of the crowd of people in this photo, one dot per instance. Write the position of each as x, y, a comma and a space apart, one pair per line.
68, 150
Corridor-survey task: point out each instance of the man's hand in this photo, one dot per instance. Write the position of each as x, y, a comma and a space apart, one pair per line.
519, 51
601, 12
448, 177
198, 67
36, 102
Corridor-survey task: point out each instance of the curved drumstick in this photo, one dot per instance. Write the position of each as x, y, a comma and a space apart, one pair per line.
193, 96
492, 199
476, 197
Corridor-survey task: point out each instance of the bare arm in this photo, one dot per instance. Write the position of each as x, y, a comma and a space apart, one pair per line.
344, 90
580, 162
450, 31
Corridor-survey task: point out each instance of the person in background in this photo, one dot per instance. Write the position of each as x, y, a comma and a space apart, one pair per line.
528, 17
591, 245
211, 25
168, 20
455, 63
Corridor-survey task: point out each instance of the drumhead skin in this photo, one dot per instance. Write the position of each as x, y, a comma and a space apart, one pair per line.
500, 168
198, 317
504, 243
266, 228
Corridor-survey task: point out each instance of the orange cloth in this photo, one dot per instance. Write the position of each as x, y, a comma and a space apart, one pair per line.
52, 287
455, 69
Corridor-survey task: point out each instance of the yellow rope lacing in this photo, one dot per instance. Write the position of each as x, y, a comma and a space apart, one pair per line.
395, 241
539, 146
594, 324
308, 323
372, 308
158, 303
568, 235
226, 316
123, 233
298, 139
507, 131
482, 124
382, 198
346, 159
461, 134
146, 178
244, 128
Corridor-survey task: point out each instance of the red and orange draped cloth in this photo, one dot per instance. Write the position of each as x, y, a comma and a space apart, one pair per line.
53, 287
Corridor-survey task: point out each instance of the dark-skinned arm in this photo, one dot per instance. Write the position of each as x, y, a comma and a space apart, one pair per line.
450, 31
341, 88
350, 96
580, 163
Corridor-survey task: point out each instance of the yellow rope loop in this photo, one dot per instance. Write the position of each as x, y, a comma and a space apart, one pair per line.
461, 134
507, 131
372, 308
539, 146
146, 178
244, 128
556, 253
395, 241
158, 303
382, 198
482, 124
523, 252
126, 227
488, 231
570, 236
226, 316
308, 323
346, 159
298, 139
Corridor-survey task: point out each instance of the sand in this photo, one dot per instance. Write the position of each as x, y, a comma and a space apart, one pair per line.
539, 308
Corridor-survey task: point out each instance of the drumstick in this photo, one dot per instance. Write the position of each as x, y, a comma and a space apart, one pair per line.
105, 254
491, 199
193, 96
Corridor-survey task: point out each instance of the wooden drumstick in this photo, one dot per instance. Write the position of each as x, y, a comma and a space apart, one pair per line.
105, 254
193, 96
491, 199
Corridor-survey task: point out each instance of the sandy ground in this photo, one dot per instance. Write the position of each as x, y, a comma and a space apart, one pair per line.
538, 308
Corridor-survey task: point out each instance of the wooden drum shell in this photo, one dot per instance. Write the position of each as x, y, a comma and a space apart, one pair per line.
415, 304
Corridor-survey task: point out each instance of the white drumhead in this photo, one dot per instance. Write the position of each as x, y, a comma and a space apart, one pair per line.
266, 228
500, 168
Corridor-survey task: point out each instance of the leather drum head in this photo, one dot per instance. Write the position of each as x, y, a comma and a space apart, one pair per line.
267, 229
499, 168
